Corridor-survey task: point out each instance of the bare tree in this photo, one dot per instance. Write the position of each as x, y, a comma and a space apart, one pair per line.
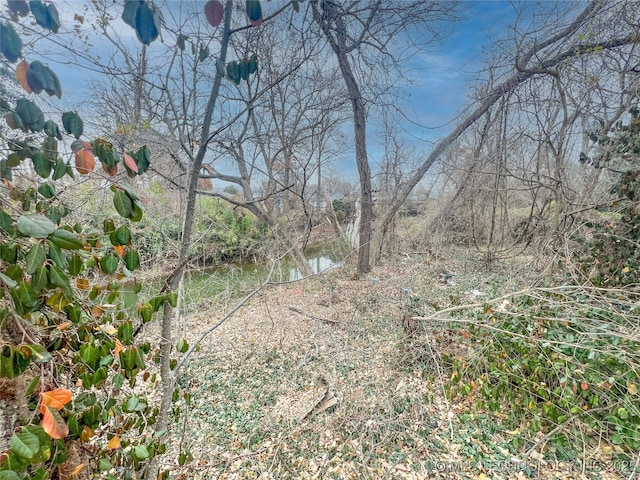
551, 50
364, 31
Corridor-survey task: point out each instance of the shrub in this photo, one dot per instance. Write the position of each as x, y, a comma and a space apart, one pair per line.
564, 360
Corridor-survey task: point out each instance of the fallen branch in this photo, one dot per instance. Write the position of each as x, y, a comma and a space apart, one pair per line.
313, 317
326, 402
239, 305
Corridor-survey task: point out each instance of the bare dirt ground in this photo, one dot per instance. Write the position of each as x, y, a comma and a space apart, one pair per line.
317, 379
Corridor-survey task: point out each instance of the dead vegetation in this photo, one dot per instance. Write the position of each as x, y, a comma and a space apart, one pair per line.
332, 377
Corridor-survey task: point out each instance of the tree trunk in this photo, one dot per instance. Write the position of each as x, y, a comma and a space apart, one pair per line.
166, 342
338, 45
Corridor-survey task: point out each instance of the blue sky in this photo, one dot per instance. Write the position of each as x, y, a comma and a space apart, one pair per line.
441, 76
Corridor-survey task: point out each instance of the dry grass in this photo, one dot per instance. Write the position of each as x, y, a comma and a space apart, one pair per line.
256, 378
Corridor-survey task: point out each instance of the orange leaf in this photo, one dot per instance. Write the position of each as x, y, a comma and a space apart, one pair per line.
85, 162
87, 145
82, 283
97, 311
119, 348
53, 424
63, 325
119, 249
86, 434
57, 398
21, 75
114, 443
130, 162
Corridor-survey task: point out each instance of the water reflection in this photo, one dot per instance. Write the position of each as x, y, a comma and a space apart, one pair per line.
318, 265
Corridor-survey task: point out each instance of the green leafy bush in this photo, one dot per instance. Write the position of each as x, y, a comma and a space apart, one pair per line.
610, 256
563, 360
69, 356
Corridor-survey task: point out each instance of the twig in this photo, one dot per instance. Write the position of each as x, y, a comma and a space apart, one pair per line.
229, 314
549, 434
175, 272
469, 306
313, 317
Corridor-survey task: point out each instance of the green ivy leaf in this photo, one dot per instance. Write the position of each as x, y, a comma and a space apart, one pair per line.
13, 160
40, 278
51, 128
58, 278
125, 331
120, 236
182, 345
136, 215
74, 313
254, 10
72, 124
203, 53
108, 226
105, 152
25, 444
8, 281
76, 265
47, 190
109, 263
10, 43
59, 170
252, 64
56, 255
50, 149
123, 203
25, 295
35, 258
30, 114
142, 157
172, 298
6, 222
41, 164
233, 72
131, 260
39, 353
41, 77
156, 302
181, 40
141, 452
9, 252
90, 355
14, 272
146, 312
35, 225
65, 239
